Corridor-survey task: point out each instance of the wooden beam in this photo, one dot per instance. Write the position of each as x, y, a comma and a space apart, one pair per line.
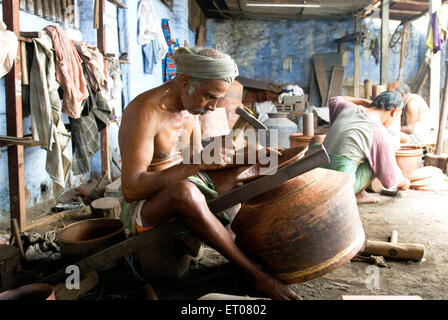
357, 62
443, 113
118, 3
14, 122
412, 2
384, 42
403, 12
434, 75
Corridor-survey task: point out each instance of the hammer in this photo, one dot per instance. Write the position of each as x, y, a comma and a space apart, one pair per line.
393, 249
247, 118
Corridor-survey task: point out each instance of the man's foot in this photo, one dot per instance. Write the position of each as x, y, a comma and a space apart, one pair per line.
363, 197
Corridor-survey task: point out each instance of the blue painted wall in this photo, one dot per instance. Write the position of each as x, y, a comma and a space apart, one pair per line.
259, 47
35, 157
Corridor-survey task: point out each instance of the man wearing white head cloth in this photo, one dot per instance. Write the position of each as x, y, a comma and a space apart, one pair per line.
158, 184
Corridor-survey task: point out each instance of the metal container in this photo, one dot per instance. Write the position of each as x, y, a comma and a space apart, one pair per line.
82, 239
303, 229
284, 126
308, 124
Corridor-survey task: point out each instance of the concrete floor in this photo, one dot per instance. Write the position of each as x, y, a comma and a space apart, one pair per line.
418, 216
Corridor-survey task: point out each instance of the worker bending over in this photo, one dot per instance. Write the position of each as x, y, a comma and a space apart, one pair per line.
359, 144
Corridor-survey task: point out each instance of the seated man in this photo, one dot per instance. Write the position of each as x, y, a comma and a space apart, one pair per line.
156, 183
359, 144
416, 121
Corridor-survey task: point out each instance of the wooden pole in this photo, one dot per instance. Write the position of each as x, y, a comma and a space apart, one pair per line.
357, 53
434, 75
384, 42
402, 53
14, 122
104, 136
443, 112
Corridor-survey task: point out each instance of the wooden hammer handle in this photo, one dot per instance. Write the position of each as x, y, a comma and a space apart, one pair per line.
410, 251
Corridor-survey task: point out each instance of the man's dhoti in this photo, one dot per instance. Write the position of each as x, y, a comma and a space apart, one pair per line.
361, 173
131, 212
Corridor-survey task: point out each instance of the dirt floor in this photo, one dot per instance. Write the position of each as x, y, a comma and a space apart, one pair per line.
418, 216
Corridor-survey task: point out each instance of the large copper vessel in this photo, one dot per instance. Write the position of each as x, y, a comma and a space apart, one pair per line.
303, 229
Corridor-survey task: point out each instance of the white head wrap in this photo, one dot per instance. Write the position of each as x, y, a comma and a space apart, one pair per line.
206, 68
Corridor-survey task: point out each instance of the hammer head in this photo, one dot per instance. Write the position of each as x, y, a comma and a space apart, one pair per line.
250, 119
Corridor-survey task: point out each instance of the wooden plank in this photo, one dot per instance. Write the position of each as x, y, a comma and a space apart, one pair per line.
443, 115
321, 77
46, 9
337, 77
22, 4
121, 249
435, 76
384, 74
52, 6
56, 217
58, 9
29, 6
104, 135
64, 6
314, 158
357, 62
14, 122
38, 8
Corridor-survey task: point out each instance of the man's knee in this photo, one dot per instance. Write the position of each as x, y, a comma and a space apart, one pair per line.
186, 194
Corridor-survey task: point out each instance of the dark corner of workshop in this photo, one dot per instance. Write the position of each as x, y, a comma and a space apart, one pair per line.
190, 150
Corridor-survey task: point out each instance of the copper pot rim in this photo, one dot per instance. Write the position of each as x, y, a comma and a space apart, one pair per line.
110, 235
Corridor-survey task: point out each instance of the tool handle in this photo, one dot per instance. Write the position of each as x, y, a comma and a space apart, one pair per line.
410, 251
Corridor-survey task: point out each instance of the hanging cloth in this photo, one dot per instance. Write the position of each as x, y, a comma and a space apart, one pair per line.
45, 105
150, 36
437, 34
9, 45
168, 66
69, 72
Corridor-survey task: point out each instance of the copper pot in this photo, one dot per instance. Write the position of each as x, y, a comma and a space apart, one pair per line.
85, 238
304, 228
409, 159
298, 140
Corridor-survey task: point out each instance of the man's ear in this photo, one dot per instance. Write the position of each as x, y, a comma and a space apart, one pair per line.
184, 80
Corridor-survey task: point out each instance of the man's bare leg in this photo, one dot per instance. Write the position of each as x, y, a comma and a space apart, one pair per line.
184, 200
362, 197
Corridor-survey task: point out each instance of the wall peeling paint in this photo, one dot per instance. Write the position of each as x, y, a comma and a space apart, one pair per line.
259, 47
